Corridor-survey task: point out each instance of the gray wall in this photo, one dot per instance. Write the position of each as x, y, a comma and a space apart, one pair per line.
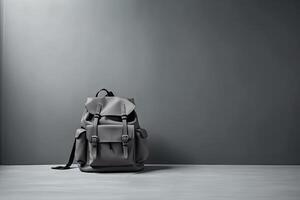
1, 18
214, 81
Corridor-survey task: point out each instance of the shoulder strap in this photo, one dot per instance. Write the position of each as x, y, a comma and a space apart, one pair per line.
71, 158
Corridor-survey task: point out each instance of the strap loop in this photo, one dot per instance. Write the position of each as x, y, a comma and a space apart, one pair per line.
97, 115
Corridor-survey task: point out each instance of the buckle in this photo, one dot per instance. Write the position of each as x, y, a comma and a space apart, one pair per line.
124, 139
94, 140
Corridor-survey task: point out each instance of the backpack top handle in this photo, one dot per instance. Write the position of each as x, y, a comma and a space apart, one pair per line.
108, 93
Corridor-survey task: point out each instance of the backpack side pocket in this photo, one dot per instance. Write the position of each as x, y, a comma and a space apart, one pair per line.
80, 150
142, 151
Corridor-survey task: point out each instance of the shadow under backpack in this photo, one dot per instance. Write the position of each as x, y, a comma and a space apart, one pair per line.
110, 138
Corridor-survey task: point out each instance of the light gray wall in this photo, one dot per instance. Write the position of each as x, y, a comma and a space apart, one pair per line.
214, 81
1, 18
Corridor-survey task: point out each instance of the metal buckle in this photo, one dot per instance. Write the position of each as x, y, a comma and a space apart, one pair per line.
94, 140
124, 139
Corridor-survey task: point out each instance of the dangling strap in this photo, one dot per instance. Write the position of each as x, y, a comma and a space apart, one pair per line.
71, 158
94, 137
124, 136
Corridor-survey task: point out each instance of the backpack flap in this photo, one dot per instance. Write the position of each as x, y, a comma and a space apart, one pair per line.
110, 105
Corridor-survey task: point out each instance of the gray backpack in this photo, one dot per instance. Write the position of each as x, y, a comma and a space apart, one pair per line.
110, 138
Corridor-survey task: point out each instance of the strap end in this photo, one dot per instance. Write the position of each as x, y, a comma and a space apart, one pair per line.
61, 167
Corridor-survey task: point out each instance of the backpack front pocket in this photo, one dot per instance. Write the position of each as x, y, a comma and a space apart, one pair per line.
112, 147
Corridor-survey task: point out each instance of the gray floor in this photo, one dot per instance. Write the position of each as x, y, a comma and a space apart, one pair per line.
156, 182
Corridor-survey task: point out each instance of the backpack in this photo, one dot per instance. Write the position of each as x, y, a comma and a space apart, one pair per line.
110, 138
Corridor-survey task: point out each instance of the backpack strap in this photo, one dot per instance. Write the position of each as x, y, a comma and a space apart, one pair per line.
95, 137
71, 158
124, 136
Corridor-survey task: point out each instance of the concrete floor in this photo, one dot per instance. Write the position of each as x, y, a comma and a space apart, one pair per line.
29, 182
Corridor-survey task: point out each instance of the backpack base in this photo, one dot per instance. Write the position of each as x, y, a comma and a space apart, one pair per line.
128, 168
